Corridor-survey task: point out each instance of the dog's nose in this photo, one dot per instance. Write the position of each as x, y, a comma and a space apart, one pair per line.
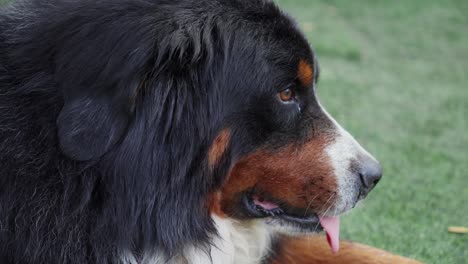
370, 173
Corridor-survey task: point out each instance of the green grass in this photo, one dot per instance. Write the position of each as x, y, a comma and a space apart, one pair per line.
395, 74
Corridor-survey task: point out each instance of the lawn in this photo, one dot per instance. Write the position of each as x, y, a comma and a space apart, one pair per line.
395, 74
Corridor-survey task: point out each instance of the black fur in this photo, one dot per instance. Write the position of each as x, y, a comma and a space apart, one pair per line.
108, 108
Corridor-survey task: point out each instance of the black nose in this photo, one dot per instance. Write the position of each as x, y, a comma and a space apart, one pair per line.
370, 173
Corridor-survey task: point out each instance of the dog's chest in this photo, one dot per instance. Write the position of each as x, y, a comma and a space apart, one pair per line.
246, 243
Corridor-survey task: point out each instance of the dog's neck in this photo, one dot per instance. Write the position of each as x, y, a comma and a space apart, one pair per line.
246, 242
240, 242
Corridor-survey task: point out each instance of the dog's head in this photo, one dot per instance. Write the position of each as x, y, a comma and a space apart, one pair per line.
303, 169
297, 168
181, 109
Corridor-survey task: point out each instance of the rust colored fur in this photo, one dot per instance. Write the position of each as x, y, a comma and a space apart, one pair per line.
305, 73
287, 174
218, 147
214, 205
315, 250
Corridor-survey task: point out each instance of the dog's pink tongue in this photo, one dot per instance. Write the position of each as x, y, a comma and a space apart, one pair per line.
332, 228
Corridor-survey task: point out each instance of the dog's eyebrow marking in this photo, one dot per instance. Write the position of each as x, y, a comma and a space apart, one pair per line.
305, 73
219, 147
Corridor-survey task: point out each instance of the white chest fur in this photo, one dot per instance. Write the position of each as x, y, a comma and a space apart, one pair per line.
245, 242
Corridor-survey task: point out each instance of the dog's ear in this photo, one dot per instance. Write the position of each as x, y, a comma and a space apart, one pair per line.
89, 126
96, 114
99, 66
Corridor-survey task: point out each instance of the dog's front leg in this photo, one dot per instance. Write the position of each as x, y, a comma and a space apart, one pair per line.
314, 249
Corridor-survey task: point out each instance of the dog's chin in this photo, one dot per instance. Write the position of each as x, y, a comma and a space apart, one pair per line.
283, 219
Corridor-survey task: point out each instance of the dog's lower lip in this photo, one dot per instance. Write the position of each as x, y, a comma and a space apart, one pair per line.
310, 223
301, 220
256, 211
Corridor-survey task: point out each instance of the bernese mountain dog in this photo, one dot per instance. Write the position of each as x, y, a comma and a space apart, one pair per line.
169, 131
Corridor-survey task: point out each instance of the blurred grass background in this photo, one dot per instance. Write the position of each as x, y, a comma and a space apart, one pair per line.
395, 74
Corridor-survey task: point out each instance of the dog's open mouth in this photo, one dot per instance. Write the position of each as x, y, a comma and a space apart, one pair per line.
259, 207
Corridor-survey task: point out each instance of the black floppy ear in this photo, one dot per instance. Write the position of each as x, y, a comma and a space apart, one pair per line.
99, 65
89, 127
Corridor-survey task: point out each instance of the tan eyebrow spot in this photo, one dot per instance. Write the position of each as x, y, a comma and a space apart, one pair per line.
218, 147
305, 73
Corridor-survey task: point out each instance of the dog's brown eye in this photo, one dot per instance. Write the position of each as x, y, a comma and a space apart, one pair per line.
286, 95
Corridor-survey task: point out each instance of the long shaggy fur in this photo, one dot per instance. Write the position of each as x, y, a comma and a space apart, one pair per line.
105, 122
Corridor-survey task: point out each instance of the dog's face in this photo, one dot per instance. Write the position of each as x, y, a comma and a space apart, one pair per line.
308, 166
302, 166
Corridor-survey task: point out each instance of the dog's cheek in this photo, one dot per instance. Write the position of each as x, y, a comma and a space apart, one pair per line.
300, 175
